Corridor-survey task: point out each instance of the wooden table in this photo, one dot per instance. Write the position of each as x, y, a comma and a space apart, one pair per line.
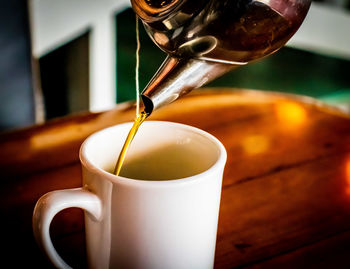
286, 190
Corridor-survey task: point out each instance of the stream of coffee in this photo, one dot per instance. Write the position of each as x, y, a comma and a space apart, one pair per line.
138, 121
140, 116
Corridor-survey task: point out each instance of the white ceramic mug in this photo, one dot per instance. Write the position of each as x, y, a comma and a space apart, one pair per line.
132, 223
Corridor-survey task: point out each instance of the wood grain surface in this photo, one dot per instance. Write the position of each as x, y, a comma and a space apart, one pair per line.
286, 190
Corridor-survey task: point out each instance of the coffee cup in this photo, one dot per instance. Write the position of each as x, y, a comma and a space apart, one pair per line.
160, 212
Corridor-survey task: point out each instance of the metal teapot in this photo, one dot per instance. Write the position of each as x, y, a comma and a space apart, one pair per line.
205, 39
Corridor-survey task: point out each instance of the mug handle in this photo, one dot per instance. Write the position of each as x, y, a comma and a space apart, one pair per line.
53, 202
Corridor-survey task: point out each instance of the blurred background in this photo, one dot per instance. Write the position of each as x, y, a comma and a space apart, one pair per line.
59, 58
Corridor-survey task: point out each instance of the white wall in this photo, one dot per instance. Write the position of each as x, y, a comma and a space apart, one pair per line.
56, 22
326, 30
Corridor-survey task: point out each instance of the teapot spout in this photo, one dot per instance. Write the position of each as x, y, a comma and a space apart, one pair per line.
178, 76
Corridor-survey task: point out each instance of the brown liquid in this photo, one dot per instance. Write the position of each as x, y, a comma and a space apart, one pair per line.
138, 121
167, 162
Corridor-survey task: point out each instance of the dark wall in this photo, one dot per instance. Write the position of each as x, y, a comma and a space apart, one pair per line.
64, 75
16, 90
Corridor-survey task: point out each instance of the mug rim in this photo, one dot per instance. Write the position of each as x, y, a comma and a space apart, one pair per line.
221, 160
